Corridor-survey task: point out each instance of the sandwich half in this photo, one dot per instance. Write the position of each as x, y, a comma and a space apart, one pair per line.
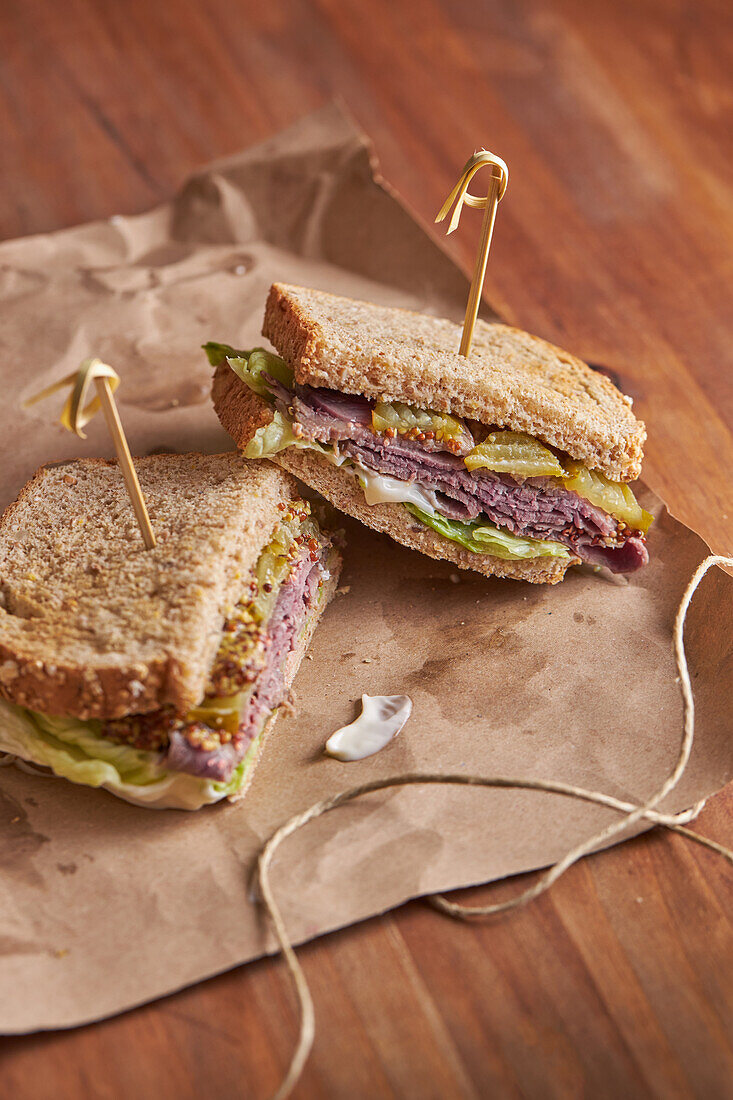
156, 673
514, 461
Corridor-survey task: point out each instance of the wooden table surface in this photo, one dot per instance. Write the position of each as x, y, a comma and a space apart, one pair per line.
615, 240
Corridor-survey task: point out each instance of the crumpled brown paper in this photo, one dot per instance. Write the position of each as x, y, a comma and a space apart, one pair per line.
103, 905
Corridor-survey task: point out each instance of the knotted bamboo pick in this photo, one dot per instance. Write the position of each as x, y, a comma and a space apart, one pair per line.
460, 195
76, 414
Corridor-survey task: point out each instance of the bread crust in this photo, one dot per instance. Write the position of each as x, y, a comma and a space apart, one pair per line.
511, 379
74, 604
241, 412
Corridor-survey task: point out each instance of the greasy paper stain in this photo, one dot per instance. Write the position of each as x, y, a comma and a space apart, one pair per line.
477, 627
14, 945
18, 841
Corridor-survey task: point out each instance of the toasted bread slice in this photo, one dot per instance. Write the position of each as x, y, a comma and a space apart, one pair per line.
93, 625
241, 413
511, 379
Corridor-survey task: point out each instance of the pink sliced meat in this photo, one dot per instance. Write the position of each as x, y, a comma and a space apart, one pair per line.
536, 508
328, 416
341, 408
295, 600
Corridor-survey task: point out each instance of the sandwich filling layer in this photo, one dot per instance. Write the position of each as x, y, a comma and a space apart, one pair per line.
161, 758
495, 492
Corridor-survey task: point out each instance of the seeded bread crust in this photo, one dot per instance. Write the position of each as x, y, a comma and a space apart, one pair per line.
510, 379
240, 411
241, 414
293, 664
93, 625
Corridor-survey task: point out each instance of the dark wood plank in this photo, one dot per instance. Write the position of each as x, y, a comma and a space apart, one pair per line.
614, 240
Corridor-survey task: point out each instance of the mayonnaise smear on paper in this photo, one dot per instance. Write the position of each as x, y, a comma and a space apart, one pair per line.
382, 717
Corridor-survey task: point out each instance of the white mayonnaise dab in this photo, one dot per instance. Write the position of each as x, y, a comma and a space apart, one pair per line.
382, 717
382, 489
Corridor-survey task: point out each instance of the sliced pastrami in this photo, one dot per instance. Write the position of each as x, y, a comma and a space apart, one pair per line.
403, 458
535, 508
344, 408
329, 416
626, 558
217, 764
296, 598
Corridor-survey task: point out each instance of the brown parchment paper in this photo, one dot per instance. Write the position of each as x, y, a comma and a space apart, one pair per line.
104, 905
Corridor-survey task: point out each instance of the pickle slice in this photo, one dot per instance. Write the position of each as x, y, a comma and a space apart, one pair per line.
221, 713
612, 496
422, 425
514, 453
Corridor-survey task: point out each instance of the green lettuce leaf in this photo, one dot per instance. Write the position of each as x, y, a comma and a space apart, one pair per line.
249, 365
484, 538
260, 360
274, 437
216, 352
75, 750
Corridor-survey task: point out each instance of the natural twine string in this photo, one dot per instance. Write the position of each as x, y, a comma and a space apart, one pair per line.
631, 815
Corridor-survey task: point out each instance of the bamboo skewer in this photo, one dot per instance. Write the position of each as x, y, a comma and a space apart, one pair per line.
76, 415
114, 425
460, 195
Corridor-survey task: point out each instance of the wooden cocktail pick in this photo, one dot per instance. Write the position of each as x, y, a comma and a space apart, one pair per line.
76, 413
460, 195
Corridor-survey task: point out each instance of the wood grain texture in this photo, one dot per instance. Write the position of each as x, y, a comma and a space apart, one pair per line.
615, 239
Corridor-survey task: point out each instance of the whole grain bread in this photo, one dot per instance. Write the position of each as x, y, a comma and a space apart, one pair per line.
240, 411
92, 624
510, 379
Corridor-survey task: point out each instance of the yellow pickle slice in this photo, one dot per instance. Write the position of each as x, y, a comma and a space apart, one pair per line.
514, 453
